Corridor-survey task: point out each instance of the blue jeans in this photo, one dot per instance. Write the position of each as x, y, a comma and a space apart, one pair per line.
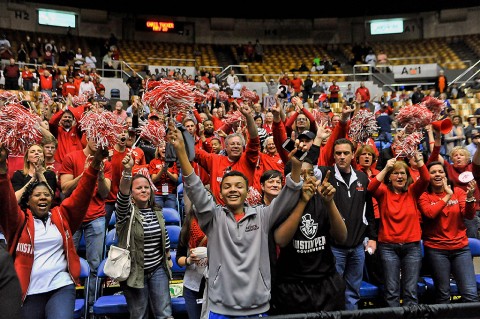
55, 304
349, 263
154, 295
94, 232
401, 261
458, 262
169, 200
194, 309
472, 226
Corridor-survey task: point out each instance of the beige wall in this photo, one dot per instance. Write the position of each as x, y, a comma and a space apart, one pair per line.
232, 31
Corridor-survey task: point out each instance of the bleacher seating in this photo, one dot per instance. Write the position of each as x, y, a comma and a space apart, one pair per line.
81, 309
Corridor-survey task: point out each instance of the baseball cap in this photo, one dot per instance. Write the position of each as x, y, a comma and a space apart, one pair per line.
307, 134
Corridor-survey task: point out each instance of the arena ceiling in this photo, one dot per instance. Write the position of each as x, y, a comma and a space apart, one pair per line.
254, 9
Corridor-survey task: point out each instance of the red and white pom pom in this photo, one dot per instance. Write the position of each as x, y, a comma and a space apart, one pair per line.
154, 131
223, 96
9, 97
414, 117
144, 171
46, 99
362, 126
254, 197
199, 97
80, 99
19, 129
170, 96
234, 117
102, 127
246, 94
211, 94
409, 145
436, 106
320, 117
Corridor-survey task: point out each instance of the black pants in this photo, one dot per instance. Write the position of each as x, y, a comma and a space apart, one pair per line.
308, 296
11, 300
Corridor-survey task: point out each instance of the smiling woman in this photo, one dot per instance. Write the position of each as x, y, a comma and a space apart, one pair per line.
37, 234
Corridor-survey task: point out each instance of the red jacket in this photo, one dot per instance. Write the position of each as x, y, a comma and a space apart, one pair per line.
18, 225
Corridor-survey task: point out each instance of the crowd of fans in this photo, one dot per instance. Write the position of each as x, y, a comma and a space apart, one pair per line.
286, 233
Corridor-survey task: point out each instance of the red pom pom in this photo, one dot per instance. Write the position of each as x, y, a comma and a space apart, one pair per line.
436, 106
19, 129
254, 197
170, 96
414, 117
362, 126
222, 96
154, 131
102, 127
246, 94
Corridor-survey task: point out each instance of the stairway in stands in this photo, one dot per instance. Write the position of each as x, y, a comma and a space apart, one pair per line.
225, 57
463, 51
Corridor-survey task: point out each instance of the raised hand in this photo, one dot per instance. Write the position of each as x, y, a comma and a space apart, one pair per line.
100, 155
309, 188
471, 188
128, 162
325, 189
390, 163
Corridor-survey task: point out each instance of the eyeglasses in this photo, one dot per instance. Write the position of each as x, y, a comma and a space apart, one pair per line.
301, 119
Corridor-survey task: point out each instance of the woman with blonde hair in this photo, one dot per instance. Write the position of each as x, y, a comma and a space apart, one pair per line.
34, 169
459, 163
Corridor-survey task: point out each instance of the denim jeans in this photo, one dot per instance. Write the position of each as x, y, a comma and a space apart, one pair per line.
349, 263
194, 309
169, 200
458, 262
94, 232
472, 226
55, 304
154, 295
109, 211
401, 265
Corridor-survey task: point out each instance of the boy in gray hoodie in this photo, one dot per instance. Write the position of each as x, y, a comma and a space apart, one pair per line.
239, 268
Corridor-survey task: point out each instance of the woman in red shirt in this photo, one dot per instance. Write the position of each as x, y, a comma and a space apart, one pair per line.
165, 177
399, 229
444, 209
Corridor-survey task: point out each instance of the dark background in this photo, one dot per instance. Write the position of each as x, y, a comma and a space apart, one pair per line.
252, 9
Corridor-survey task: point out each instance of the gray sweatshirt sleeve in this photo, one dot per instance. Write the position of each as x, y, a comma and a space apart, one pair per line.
201, 198
284, 203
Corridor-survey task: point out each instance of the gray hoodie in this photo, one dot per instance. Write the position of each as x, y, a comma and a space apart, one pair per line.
238, 258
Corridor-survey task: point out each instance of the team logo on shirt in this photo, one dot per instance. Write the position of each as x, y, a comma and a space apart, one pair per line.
309, 226
360, 187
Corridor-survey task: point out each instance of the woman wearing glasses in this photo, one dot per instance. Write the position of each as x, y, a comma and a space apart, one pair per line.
399, 231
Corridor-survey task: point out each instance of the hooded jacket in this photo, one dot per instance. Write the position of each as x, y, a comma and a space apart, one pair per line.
238, 256
19, 228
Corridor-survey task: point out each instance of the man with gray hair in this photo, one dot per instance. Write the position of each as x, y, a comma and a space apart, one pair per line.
239, 157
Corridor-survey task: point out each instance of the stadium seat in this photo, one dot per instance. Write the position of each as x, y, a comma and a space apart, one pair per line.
81, 310
177, 270
474, 245
174, 235
114, 93
107, 304
171, 215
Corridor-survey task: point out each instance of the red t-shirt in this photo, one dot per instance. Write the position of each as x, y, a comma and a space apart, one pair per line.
68, 141
218, 165
74, 164
117, 169
155, 167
